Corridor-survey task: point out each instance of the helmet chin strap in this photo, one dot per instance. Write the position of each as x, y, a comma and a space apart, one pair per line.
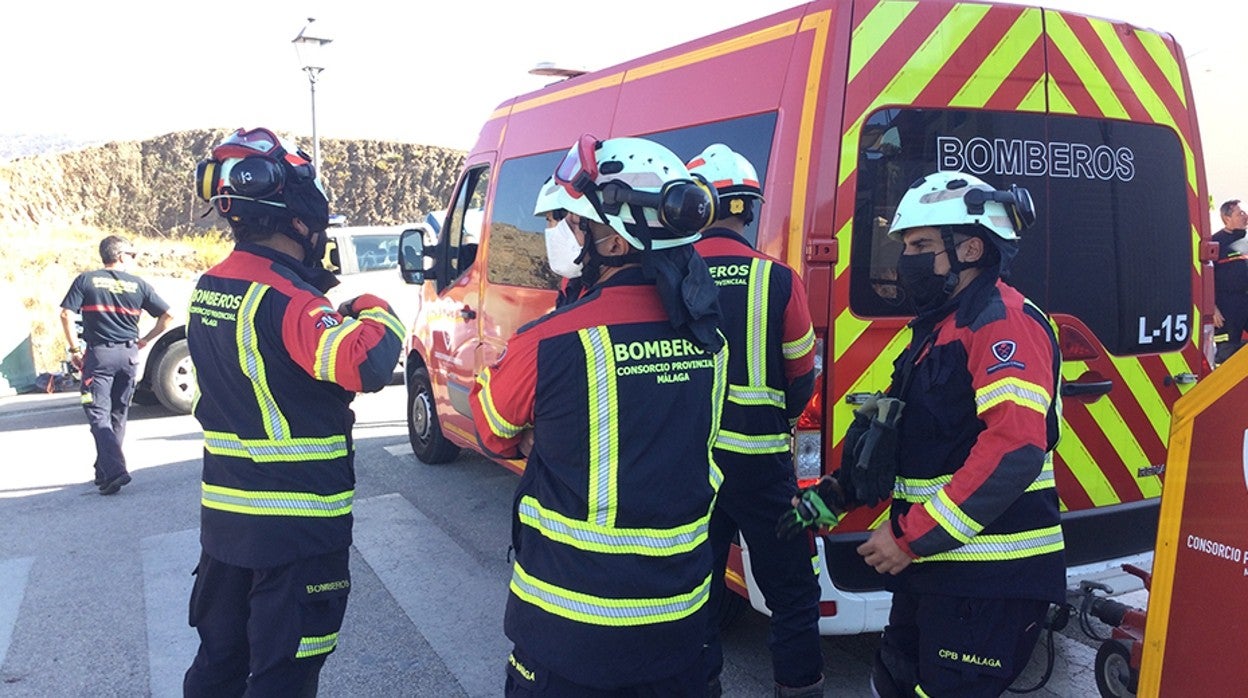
955, 265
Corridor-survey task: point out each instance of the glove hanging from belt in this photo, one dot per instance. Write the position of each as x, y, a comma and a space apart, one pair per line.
869, 455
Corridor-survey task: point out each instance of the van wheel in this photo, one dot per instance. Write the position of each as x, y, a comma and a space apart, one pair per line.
174, 382
423, 428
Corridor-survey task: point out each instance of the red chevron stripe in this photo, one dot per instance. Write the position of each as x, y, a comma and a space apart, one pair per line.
1069, 490
1107, 66
1012, 92
969, 56
1102, 451
1065, 77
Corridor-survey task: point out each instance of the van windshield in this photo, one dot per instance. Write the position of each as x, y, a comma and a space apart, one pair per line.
1112, 245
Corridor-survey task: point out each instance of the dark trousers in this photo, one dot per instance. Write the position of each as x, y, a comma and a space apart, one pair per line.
528, 679
956, 646
265, 632
1234, 322
783, 569
108, 374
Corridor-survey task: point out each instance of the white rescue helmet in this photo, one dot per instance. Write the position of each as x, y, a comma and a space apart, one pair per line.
728, 171
611, 181
956, 198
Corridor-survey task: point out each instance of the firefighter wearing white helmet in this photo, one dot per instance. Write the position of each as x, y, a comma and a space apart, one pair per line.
771, 371
615, 398
962, 441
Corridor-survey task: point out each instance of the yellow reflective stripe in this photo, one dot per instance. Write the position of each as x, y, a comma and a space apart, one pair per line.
327, 349
799, 347
718, 389
292, 450
918, 691
485, 397
1045, 480
814, 564
755, 396
1000, 62
757, 302
1091, 77
597, 610
1016, 390
313, 646
391, 321
584, 535
603, 431
910, 489
306, 504
1003, 546
752, 443
252, 363
951, 518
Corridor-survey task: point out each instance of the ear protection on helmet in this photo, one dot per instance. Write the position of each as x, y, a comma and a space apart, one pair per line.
684, 205
1017, 202
252, 177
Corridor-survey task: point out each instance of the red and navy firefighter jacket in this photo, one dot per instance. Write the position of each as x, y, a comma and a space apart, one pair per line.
975, 501
277, 368
612, 568
771, 366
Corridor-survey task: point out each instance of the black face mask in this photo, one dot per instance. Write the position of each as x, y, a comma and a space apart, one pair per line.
916, 276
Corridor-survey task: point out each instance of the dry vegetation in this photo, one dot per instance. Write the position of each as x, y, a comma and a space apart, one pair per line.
38, 265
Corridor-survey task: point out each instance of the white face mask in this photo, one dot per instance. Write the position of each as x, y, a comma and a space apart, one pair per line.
562, 249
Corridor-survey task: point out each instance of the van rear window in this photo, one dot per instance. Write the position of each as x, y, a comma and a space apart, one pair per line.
1112, 244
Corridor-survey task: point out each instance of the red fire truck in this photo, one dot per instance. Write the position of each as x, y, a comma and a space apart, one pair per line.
840, 105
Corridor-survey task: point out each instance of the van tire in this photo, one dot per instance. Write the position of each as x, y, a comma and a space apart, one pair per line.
174, 383
423, 428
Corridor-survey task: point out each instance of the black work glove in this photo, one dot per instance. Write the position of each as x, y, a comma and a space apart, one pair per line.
347, 308
817, 507
874, 470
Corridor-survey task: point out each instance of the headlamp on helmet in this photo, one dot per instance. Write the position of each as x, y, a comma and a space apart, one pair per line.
955, 198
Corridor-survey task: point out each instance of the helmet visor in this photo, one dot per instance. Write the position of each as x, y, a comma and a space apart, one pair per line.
579, 168
241, 144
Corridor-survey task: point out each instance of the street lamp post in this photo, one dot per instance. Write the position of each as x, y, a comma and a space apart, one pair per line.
310, 49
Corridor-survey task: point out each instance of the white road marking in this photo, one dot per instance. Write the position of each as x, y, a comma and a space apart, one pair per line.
13, 577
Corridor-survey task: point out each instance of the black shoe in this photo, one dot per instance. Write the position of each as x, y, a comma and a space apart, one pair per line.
99, 482
114, 486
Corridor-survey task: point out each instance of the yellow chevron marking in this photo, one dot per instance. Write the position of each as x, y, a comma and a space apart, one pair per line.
843, 237
1116, 431
1077, 459
1157, 47
926, 62
1059, 103
1143, 390
876, 29
1001, 62
1176, 364
1140, 86
1035, 99
1065, 41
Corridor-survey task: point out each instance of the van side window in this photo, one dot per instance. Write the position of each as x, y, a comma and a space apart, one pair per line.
463, 227
517, 237
1112, 245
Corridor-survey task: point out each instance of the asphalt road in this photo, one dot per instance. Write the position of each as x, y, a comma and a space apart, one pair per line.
93, 590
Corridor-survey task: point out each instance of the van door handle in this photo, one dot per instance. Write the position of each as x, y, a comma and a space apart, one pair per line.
1087, 389
467, 313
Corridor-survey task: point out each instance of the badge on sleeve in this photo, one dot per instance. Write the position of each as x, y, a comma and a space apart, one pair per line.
1003, 351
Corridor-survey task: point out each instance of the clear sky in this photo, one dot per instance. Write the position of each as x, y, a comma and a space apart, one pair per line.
430, 71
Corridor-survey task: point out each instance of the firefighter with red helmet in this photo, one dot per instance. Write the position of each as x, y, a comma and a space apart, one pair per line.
277, 367
962, 442
771, 373
616, 397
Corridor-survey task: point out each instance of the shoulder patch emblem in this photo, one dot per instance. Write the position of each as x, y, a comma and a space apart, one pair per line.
327, 321
1004, 351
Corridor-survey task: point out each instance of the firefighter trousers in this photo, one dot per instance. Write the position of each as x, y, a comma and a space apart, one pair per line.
783, 569
108, 374
955, 645
265, 632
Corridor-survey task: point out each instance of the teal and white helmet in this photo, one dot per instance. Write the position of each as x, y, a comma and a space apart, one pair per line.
956, 198
638, 187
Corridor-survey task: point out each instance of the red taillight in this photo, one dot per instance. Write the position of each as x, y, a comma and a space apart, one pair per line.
827, 608
1074, 344
812, 415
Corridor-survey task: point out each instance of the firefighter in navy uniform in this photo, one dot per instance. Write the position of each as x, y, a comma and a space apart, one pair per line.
770, 378
616, 397
963, 443
110, 301
278, 367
